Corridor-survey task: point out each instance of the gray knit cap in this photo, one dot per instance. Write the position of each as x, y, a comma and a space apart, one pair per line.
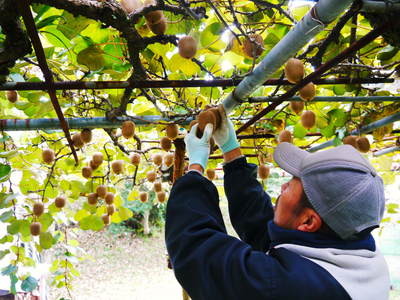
340, 183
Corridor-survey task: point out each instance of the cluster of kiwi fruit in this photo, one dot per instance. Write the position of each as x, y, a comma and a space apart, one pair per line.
253, 45
294, 72
102, 193
38, 209
361, 143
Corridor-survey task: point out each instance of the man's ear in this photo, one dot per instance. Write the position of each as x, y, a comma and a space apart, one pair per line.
309, 220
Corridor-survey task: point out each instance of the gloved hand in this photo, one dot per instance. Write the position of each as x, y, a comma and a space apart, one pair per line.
199, 149
225, 135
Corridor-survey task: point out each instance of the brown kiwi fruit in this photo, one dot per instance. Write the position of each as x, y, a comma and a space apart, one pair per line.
48, 156
135, 159
161, 196
128, 129
143, 196
157, 159
109, 198
296, 106
92, 198
117, 166
363, 144
86, 135
294, 70
154, 16
87, 172
77, 140
165, 143
308, 119
106, 219
151, 176
159, 27
169, 159
253, 46
187, 47
172, 131
97, 158
35, 228
60, 201
92, 165
263, 172
12, 96
285, 136
157, 186
110, 209
38, 209
350, 140
210, 174
307, 93
101, 191
205, 117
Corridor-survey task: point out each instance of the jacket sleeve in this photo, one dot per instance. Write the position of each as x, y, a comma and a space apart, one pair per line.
250, 207
207, 262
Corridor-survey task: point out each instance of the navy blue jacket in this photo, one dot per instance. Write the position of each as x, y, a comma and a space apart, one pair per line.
212, 265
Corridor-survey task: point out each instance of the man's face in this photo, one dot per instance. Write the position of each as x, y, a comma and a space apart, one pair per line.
286, 206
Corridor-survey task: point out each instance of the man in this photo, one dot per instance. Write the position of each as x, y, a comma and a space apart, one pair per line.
315, 244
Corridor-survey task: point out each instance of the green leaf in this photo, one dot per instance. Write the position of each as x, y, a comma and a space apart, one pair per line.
3, 253
8, 154
14, 280
46, 220
46, 240
13, 228
80, 214
6, 215
338, 117
8, 270
299, 131
47, 21
5, 172
125, 213
29, 284
328, 131
71, 25
91, 222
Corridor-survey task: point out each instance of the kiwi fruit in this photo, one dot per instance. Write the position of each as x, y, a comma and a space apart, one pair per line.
172, 131
92, 165
38, 209
48, 156
307, 93
210, 174
296, 106
165, 143
161, 197
131, 5
263, 172
101, 191
157, 159
35, 228
97, 158
12, 96
294, 70
159, 27
109, 198
92, 198
154, 17
350, 140
106, 219
117, 166
128, 129
86, 135
307, 119
157, 186
363, 144
60, 202
285, 136
135, 159
169, 159
87, 172
187, 46
205, 117
151, 176
77, 140
143, 197
110, 209
253, 46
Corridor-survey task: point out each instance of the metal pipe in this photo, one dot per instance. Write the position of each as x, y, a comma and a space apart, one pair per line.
324, 12
368, 128
380, 7
101, 85
386, 151
328, 99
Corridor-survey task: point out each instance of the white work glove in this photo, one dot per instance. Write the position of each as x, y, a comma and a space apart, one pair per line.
199, 149
225, 135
